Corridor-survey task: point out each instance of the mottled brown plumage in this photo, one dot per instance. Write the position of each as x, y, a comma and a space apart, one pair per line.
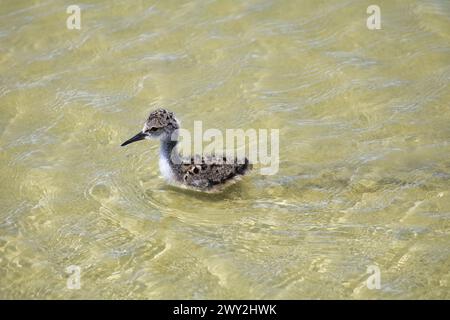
206, 173
210, 172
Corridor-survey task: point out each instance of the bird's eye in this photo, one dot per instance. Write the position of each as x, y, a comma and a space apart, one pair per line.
152, 129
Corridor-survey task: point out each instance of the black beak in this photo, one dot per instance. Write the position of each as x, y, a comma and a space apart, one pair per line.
139, 136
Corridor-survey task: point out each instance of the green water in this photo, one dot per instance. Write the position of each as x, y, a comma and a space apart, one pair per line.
364, 174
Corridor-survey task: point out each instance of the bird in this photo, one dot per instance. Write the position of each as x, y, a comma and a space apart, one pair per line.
206, 173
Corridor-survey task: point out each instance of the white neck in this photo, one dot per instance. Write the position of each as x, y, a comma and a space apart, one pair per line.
167, 147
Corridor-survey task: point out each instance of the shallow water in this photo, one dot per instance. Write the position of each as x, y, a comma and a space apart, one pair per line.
364, 149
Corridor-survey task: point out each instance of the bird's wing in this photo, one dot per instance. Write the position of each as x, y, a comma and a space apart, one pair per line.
211, 170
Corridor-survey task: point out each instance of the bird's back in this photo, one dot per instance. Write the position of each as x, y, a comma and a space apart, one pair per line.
209, 172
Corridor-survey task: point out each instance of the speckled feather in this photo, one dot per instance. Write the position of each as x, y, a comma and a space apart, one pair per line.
206, 173
210, 172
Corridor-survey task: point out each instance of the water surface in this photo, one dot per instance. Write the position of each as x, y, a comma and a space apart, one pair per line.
364, 149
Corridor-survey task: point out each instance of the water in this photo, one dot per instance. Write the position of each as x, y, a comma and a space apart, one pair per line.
364, 147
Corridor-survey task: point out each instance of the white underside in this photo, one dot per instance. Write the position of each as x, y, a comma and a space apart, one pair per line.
165, 169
